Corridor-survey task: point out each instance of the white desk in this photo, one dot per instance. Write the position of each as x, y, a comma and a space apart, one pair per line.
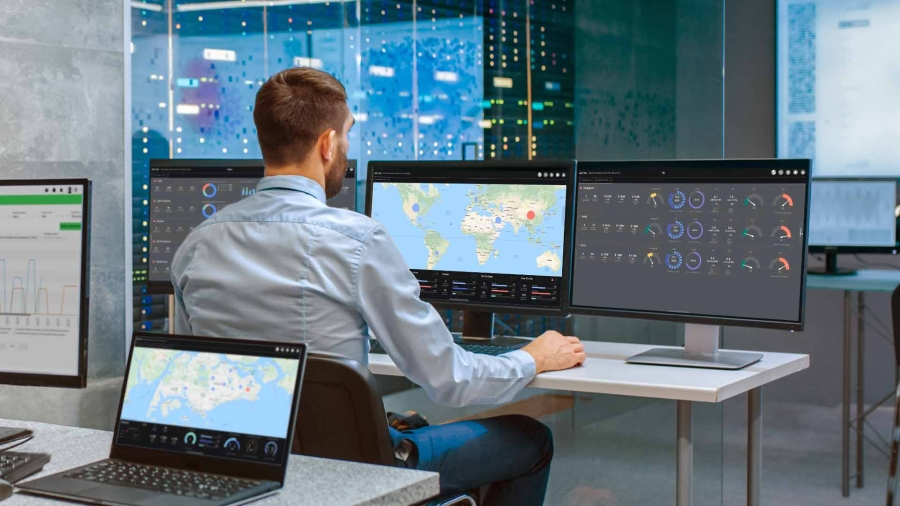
309, 481
865, 280
606, 372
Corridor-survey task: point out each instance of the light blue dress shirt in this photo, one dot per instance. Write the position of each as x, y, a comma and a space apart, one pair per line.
282, 265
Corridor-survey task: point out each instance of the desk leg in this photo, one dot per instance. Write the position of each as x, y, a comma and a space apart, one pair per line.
754, 446
685, 472
860, 382
845, 407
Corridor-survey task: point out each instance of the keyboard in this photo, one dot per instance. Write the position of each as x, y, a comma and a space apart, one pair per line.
164, 480
482, 349
15, 466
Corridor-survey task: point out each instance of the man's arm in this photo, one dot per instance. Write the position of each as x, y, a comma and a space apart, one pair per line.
415, 337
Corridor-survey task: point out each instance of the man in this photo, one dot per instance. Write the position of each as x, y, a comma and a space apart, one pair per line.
283, 265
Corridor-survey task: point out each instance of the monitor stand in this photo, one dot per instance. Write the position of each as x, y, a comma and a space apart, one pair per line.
478, 326
831, 267
701, 349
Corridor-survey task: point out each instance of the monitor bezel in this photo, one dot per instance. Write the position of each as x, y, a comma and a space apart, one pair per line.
703, 319
568, 165
166, 287
208, 464
819, 249
80, 379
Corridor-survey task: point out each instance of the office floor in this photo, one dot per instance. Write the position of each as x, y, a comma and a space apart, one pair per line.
620, 452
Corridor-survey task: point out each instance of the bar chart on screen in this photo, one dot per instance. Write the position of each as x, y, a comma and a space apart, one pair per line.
40, 278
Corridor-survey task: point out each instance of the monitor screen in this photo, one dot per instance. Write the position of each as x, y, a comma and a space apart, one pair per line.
853, 214
43, 275
690, 240
838, 88
184, 193
215, 399
477, 233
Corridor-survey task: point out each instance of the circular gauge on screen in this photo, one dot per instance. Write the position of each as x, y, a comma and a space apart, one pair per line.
676, 199
697, 199
674, 260
675, 230
695, 230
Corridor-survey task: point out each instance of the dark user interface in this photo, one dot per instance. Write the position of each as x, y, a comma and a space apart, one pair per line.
180, 200
233, 401
485, 236
707, 242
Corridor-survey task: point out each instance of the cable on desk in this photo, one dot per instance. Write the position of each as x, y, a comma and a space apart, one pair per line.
507, 330
866, 263
16, 444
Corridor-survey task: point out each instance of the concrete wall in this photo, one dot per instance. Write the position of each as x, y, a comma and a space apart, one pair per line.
62, 115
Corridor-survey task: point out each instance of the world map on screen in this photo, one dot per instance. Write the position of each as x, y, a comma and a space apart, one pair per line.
482, 228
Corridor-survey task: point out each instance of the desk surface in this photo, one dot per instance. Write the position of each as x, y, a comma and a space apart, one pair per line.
309, 480
866, 280
606, 372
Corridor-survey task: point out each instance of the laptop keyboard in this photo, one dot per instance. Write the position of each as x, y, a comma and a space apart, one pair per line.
482, 349
164, 480
17, 465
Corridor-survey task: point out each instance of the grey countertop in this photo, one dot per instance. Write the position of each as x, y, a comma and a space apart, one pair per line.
309, 480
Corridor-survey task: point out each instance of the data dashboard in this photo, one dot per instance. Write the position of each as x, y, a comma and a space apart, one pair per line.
184, 194
43, 278
850, 213
719, 243
838, 85
478, 234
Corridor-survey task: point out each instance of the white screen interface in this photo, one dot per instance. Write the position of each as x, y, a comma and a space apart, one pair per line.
40, 275
839, 85
853, 213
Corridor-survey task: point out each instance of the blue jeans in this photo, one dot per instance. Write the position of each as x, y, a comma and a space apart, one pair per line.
510, 453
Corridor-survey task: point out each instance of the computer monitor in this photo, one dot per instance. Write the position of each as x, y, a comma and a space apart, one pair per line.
44, 277
184, 193
852, 216
484, 237
706, 243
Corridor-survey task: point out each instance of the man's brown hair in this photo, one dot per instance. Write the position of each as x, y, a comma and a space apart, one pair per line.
293, 108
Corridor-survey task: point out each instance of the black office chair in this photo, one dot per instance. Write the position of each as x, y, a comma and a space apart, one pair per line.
895, 432
342, 417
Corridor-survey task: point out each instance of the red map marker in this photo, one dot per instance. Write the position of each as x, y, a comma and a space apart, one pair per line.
530, 215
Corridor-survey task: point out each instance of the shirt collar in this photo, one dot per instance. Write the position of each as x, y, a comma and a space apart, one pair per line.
292, 183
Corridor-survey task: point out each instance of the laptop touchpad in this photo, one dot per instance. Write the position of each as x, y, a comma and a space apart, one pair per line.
121, 495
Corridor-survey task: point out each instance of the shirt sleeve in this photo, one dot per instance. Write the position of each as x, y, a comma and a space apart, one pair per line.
182, 327
417, 340
180, 263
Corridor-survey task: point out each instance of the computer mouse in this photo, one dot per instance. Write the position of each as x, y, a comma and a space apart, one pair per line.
6, 490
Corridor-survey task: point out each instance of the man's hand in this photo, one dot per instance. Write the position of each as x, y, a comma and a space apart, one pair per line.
554, 351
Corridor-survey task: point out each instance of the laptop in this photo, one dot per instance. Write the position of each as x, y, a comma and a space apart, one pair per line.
201, 421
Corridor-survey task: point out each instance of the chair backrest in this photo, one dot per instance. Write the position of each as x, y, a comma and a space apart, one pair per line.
341, 413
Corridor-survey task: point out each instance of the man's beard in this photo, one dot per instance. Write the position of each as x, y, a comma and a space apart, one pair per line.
334, 179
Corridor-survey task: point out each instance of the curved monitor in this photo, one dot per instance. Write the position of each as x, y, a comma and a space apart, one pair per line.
44, 277
719, 242
480, 235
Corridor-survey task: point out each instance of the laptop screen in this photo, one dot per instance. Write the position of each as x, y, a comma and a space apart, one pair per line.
210, 398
